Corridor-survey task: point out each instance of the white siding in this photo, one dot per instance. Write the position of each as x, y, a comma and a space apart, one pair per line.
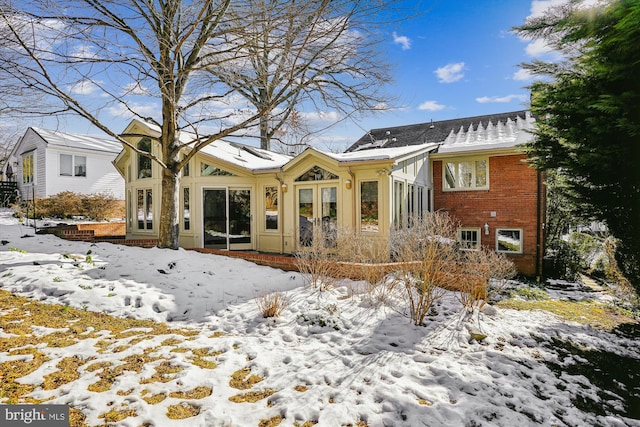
31, 142
101, 176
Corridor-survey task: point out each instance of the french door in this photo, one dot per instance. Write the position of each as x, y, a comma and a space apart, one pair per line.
317, 212
226, 218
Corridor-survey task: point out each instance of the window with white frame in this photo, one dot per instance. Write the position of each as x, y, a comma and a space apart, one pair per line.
271, 207
369, 220
186, 209
509, 240
465, 174
144, 162
398, 204
469, 238
28, 168
145, 209
71, 165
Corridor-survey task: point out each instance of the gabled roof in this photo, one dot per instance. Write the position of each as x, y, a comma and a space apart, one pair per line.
75, 141
469, 133
244, 156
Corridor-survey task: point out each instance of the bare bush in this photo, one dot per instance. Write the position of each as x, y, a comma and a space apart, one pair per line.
316, 261
366, 258
429, 261
273, 304
486, 273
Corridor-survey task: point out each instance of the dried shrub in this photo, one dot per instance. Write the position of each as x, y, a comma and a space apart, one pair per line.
103, 206
367, 258
428, 261
97, 207
487, 273
317, 260
272, 304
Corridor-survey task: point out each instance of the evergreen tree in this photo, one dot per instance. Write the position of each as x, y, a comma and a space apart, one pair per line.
588, 110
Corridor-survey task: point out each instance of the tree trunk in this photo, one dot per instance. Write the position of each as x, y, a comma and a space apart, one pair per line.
265, 142
169, 210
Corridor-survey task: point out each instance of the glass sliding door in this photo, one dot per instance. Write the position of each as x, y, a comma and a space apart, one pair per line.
239, 217
227, 218
214, 203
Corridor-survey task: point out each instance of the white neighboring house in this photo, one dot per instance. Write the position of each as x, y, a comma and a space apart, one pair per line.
46, 162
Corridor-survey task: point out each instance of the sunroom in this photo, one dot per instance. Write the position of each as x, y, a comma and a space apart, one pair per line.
237, 197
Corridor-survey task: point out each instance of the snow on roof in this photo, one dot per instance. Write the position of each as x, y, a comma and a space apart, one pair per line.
247, 157
241, 155
487, 136
85, 142
390, 153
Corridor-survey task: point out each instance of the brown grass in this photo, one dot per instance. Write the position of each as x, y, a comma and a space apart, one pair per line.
271, 422
240, 381
182, 410
585, 312
196, 393
252, 396
155, 399
114, 416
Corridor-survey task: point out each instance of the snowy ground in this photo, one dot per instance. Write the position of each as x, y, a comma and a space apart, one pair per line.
333, 357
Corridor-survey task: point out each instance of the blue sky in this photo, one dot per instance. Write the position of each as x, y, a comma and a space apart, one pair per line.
456, 58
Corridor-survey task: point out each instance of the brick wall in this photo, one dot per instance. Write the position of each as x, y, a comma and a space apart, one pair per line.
283, 262
104, 228
512, 195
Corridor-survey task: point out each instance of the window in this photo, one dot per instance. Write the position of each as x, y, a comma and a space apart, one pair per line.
469, 238
465, 175
208, 170
271, 207
186, 213
398, 204
369, 206
420, 199
411, 200
28, 168
144, 162
316, 173
73, 165
185, 169
145, 209
509, 240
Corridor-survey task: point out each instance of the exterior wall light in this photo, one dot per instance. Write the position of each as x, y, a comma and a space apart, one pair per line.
347, 184
486, 228
284, 188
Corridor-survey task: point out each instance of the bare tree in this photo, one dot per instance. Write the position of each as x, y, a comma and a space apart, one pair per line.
327, 47
155, 61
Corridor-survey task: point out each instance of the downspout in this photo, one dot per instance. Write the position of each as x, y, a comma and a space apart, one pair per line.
538, 225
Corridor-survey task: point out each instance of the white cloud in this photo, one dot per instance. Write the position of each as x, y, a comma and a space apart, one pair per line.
83, 87
501, 99
538, 48
539, 7
431, 106
450, 73
522, 75
136, 88
403, 41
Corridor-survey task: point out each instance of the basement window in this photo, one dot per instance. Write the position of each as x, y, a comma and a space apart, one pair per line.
509, 240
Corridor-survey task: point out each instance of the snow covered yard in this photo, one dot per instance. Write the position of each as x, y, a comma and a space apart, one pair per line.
150, 337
